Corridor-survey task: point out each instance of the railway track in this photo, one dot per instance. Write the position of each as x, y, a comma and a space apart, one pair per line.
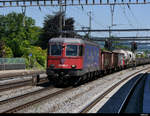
98, 99
32, 102
19, 84
48, 96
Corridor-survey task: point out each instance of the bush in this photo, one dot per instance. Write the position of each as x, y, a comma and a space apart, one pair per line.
38, 58
8, 52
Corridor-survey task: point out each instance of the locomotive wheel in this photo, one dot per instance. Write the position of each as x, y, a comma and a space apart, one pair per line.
91, 75
77, 81
94, 75
84, 77
55, 82
110, 71
88, 76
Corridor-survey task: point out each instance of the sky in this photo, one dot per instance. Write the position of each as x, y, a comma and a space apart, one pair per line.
132, 16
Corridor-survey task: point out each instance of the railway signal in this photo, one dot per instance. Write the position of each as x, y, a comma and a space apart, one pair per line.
133, 46
108, 44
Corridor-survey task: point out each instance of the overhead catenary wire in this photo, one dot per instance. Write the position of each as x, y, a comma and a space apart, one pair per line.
83, 9
134, 17
87, 14
128, 19
77, 22
130, 9
124, 12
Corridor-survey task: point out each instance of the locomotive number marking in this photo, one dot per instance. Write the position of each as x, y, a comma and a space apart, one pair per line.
64, 65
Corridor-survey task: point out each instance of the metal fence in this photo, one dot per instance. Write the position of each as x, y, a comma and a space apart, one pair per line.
12, 63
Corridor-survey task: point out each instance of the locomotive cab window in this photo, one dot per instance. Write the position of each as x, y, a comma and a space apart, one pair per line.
81, 50
56, 50
71, 50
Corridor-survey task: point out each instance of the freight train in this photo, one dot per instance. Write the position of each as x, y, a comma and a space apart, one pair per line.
73, 60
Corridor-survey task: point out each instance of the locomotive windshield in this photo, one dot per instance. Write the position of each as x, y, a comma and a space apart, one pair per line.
71, 50
56, 50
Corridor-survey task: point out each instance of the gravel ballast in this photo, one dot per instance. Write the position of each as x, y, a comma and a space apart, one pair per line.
76, 99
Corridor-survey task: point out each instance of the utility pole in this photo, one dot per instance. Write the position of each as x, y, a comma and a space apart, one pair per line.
23, 12
112, 8
90, 23
133, 48
60, 19
109, 31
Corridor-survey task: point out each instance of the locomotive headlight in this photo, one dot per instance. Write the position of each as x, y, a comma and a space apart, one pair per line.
73, 66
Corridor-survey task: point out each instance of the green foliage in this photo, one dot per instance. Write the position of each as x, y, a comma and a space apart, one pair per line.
103, 49
20, 36
2, 46
16, 28
146, 52
38, 58
8, 52
5, 51
140, 56
121, 47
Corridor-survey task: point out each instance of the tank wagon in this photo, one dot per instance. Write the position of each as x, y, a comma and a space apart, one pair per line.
128, 56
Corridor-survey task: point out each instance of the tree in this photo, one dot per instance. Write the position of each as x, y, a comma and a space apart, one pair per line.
18, 37
51, 28
5, 51
2, 50
17, 28
69, 25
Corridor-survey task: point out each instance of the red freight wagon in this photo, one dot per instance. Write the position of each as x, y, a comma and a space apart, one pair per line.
106, 61
115, 60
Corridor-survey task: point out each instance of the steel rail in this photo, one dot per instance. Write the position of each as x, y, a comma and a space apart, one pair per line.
19, 84
18, 108
14, 85
23, 96
94, 102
